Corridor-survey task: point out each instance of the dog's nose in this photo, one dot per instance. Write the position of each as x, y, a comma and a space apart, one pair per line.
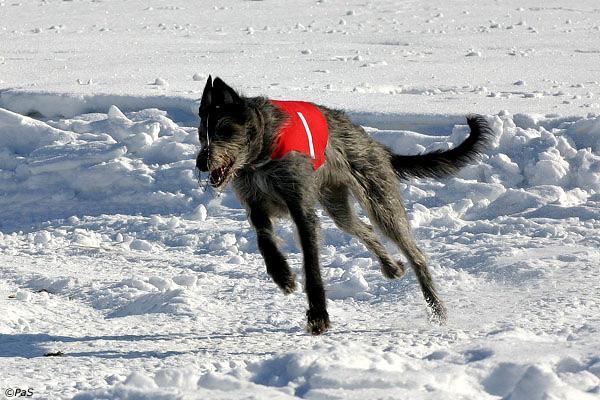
202, 161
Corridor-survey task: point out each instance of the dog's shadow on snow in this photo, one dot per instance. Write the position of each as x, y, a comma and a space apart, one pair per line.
31, 345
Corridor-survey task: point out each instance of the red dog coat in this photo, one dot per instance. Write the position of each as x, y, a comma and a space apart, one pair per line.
305, 131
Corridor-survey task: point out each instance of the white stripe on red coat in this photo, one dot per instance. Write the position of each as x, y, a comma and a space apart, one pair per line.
308, 135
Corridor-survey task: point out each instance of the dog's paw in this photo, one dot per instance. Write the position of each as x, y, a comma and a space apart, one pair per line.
318, 322
394, 271
438, 314
288, 286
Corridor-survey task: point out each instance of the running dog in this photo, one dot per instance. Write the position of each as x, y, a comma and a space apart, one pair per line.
282, 157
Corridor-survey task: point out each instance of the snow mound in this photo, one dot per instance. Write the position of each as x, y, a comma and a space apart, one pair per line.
153, 295
531, 169
175, 302
353, 371
22, 135
352, 284
171, 384
514, 381
96, 163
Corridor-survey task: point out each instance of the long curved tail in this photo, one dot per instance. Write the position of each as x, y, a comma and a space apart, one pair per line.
439, 164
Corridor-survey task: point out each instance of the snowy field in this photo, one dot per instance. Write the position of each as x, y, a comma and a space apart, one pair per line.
144, 285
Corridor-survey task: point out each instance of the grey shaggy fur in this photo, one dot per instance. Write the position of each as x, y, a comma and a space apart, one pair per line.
237, 135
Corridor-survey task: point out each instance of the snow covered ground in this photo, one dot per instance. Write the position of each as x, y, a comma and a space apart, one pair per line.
147, 286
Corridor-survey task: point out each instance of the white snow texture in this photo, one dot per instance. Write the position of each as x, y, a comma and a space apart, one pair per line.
115, 257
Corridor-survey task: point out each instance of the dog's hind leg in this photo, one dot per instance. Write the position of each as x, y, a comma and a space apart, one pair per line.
381, 198
335, 200
277, 266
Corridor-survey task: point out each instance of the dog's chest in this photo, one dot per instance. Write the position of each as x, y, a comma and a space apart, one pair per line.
259, 181
258, 187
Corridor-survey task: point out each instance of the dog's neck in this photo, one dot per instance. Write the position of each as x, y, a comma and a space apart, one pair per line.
262, 157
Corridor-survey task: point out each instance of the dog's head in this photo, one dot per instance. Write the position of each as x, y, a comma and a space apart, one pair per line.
222, 132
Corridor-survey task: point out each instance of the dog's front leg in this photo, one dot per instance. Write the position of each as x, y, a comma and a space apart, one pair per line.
277, 266
306, 221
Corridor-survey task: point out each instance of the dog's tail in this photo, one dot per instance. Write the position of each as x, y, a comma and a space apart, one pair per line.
439, 164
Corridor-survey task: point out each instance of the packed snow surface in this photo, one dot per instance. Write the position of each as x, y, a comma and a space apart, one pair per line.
144, 284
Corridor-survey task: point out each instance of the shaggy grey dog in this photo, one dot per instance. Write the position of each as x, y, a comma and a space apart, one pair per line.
237, 135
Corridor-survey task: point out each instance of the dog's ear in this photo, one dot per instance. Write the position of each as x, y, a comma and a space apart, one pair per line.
223, 94
207, 94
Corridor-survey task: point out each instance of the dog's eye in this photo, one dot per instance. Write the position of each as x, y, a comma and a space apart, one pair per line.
227, 133
221, 134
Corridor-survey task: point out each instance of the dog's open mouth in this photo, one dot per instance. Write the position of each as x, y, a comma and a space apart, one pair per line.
219, 175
